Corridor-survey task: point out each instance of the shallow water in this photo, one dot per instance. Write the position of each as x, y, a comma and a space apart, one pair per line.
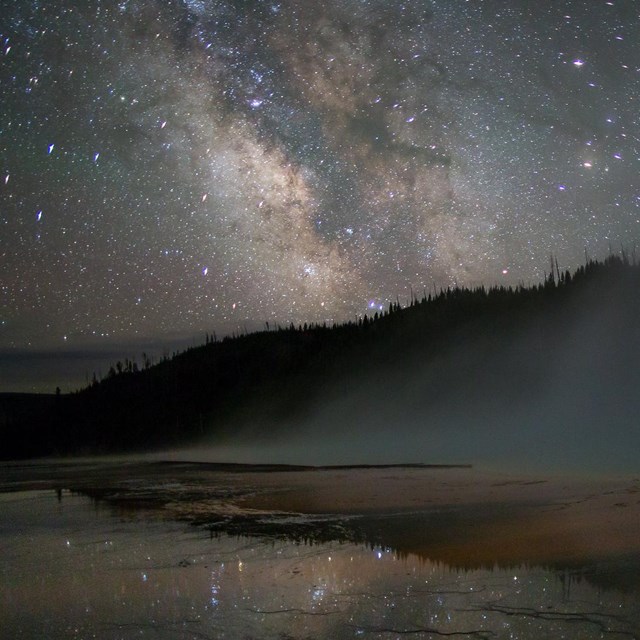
73, 567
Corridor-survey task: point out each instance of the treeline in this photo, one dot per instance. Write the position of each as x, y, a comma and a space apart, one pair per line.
259, 384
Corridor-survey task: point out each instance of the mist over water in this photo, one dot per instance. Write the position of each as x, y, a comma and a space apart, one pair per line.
559, 394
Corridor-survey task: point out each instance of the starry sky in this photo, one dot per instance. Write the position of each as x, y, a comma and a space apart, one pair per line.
175, 167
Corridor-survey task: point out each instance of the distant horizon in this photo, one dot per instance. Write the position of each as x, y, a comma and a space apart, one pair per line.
43, 369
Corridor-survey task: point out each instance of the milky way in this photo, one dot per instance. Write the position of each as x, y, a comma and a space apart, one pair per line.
176, 167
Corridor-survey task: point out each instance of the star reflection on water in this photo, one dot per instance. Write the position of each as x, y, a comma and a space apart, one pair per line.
128, 562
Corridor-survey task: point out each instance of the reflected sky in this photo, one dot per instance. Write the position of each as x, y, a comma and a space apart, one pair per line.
71, 568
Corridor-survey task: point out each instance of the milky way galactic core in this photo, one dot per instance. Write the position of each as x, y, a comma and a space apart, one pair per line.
189, 165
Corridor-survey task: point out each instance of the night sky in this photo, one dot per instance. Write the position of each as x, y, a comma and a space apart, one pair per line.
173, 167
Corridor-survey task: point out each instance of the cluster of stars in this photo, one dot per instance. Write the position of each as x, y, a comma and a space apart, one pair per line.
188, 166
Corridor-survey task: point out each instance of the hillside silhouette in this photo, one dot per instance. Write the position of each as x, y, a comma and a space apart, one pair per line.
468, 364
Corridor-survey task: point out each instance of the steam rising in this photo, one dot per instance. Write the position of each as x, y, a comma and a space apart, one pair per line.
559, 393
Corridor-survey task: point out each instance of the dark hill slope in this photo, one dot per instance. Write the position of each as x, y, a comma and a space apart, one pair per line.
468, 364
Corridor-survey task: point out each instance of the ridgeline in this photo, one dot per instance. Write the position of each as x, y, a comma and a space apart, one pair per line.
493, 343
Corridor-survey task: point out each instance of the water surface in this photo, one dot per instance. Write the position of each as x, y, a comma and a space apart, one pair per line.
132, 563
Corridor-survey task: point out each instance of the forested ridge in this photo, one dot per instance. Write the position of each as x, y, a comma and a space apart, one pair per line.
266, 382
